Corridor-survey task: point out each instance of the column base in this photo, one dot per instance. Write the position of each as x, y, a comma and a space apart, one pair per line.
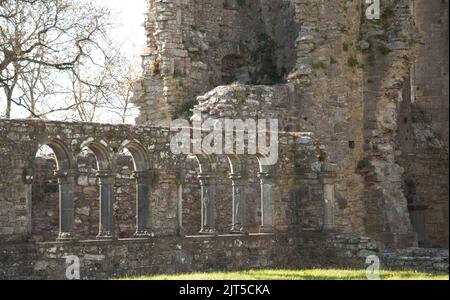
266, 229
237, 229
208, 231
104, 236
66, 237
143, 234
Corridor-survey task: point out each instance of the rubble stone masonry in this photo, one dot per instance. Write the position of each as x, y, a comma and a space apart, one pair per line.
362, 108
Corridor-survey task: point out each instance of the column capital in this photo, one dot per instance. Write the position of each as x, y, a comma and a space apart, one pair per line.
28, 176
265, 176
66, 176
206, 178
328, 173
105, 174
238, 179
105, 235
144, 176
66, 237
28, 179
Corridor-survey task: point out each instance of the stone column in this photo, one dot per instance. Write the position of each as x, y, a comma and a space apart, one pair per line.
238, 217
143, 205
208, 205
28, 179
181, 179
106, 230
328, 195
328, 179
267, 224
66, 180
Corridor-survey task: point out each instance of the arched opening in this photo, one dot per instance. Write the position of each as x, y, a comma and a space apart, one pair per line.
133, 189
52, 193
45, 197
106, 179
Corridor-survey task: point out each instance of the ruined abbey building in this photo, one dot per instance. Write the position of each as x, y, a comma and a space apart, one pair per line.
362, 107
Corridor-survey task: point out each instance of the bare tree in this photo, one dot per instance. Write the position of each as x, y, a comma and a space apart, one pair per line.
121, 89
40, 40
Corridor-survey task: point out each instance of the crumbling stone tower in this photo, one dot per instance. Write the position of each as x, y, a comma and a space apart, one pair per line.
362, 107
321, 66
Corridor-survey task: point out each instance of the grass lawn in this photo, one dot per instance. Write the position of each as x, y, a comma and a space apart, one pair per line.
298, 275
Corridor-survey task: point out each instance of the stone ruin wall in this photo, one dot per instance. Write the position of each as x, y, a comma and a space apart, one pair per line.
45, 199
423, 126
349, 81
195, 46
297, 192
345, 78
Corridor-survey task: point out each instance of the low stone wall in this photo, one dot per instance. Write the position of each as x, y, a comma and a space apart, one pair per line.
121, 258
427, 260
173, 255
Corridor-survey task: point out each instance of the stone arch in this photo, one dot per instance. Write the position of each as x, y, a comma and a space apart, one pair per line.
227, 48
101, 152
139, 154
107, 181
143, 179
65, 174
236, 164
64, 157
205, 163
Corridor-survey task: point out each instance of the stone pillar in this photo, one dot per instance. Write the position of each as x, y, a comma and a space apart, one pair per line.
208, 205
28, 179
143, 205
328, 179
328, 195
267, 224
238, 217
106, 230
181, 179
66, 180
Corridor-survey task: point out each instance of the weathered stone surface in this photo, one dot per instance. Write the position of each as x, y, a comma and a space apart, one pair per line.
325, 73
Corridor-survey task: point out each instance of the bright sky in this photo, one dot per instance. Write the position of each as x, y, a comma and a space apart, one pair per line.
129, 34
130, 31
